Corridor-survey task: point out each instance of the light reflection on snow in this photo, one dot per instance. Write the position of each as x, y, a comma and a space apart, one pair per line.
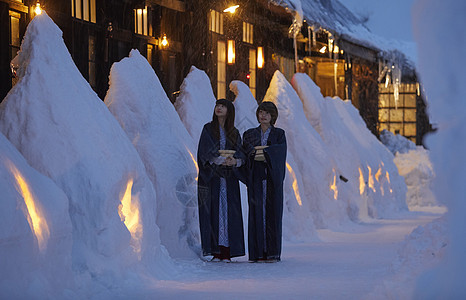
334, 187
33, 213
295, 184
362, 184
130, 215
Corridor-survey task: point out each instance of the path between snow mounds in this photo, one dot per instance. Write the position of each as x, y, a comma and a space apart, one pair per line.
342, 266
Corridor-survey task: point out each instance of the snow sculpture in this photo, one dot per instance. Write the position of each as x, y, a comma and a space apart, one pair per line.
66, 132
315, 166
137, 100
196, 102
374, 187
36, 229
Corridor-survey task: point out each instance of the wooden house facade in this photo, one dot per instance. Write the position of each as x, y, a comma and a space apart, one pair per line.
248, 43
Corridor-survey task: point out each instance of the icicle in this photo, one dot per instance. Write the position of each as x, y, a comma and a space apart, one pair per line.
396, 78
309, 37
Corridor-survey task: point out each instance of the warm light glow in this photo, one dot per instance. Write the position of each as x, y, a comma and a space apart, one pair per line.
231, 52
33, 213
371, 180
334, 187
378, 174
388, 179
336, 49
295, 184
260, 57
129, 214
323, 49
195, 163
164, 41
37, 10
231, 9
139, 11
362, 184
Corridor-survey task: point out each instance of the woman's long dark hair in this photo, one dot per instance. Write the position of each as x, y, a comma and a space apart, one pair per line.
230, 130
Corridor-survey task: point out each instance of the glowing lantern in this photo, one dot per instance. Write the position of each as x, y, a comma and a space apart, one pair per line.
231, 9
260, 57
164, 41
37, 9
231, 52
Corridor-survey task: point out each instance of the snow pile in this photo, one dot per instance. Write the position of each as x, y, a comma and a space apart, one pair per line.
66, 132
144, 111
195, 103
318, 173
442, 75
416, 168
373, 185
396, 143
298, 223
35, 240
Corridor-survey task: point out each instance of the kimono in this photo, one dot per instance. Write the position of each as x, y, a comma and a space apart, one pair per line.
219, 202
265, 192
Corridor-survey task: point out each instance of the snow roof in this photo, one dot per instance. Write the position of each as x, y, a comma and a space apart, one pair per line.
338, 19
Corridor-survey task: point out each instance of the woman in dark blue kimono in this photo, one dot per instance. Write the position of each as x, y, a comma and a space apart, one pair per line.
219, 201
265, 149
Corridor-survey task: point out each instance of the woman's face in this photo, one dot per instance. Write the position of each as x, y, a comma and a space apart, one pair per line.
264, 117
221, 110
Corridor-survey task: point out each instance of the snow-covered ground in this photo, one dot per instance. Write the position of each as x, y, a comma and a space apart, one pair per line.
106, 178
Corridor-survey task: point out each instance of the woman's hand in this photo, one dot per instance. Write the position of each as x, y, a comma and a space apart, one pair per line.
230, 161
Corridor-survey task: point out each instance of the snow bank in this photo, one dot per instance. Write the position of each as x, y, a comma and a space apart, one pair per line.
66, 132
196, 102
298, 224
442, 76
318, 173
137, 100
396, 143
416, 168
35, 240
373, 185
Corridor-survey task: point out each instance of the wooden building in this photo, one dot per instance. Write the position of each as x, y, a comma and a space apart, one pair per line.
248, 43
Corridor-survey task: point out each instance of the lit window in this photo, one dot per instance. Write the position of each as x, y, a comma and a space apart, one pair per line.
252, 71
221, 70
15, 41
216, 22
141, 26
248, 33
84, 10
150, 49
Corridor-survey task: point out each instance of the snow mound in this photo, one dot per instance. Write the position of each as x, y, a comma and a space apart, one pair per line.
373, 186
195, 103
396, 143
66, 132
316, 167
144, 111
298, 223
36, 230
416, 168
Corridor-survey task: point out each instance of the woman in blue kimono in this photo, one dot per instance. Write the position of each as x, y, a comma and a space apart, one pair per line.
219, 201
265, 149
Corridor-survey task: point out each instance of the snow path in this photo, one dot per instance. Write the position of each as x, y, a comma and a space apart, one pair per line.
341, 266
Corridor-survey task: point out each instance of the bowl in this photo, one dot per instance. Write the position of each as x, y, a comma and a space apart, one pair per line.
227, 153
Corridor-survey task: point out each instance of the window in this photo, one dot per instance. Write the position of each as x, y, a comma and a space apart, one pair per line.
84, 10
141, 26
247, 33
150, 49
92, 70
15, 41
285, 65
221, 70
398, 117
252, 71
216, 22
